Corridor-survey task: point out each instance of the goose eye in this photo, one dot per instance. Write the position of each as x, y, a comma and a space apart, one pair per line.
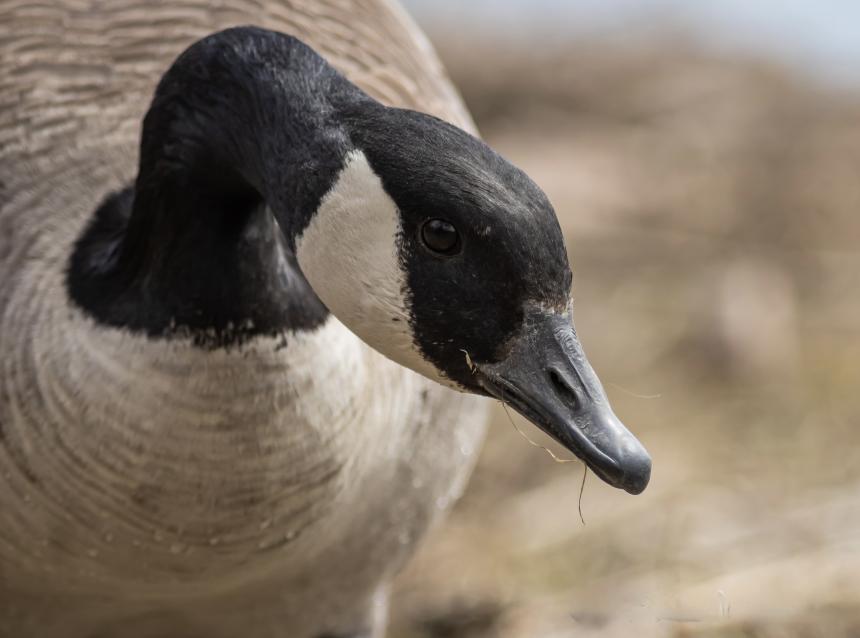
440, 237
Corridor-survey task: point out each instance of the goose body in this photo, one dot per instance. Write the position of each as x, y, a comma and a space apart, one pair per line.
231, 342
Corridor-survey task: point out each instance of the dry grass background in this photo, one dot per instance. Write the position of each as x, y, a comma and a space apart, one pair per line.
712, 211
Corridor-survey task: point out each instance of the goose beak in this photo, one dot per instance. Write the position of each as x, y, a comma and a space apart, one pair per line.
548, 380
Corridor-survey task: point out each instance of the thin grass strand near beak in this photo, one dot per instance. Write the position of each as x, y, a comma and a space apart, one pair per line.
471, 364
582, 491
535, 443
554, 457
633, 394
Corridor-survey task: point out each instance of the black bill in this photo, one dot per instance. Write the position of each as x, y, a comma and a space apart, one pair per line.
548, 380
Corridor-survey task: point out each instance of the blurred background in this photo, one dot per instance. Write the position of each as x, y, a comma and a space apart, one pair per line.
704, 159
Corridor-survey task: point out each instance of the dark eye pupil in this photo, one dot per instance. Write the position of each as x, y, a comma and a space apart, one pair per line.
440, 236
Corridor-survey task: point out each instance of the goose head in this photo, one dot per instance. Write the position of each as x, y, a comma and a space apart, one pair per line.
446, 258
272, 191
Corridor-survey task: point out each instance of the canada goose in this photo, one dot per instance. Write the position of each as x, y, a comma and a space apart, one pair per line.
210, 420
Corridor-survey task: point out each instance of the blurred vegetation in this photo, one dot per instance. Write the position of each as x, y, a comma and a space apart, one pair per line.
712, 210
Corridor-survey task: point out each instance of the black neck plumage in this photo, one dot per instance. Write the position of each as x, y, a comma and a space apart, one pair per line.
244, 136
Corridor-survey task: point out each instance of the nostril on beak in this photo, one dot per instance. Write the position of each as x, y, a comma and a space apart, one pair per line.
563, 389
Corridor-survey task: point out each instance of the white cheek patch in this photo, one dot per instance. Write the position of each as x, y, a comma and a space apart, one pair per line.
349, 255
